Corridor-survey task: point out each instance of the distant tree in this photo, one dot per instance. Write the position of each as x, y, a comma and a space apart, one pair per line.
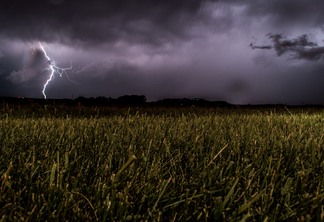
131, 100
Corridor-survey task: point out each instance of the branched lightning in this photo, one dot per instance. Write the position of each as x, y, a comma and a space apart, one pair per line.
54, 69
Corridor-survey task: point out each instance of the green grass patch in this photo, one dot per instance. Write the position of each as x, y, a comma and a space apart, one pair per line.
207, 165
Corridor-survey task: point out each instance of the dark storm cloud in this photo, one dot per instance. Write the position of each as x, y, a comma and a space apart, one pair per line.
163, 48
282, 45
287, 12
260, 46
94, 22
300, 47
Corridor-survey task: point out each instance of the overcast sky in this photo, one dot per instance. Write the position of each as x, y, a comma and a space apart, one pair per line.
240, 51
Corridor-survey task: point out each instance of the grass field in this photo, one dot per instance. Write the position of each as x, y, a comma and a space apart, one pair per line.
169, 165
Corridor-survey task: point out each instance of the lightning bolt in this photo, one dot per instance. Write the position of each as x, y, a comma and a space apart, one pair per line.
54, 69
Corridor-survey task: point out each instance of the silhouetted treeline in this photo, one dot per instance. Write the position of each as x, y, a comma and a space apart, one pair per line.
185, 102
128, 100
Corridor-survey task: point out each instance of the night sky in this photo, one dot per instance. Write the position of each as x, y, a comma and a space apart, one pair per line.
239, 51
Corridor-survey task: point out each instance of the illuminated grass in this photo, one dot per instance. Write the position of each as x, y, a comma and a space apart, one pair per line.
255, 166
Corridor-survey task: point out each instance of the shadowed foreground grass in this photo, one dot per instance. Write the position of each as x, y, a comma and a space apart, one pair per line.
252, 166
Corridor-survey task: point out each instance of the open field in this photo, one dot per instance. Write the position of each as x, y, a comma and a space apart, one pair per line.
161, 164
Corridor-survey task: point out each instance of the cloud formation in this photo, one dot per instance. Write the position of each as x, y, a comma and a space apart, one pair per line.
34, 64
100, 21
164, 48
300, 47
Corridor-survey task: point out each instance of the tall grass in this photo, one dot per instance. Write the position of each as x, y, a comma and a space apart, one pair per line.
251, 166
